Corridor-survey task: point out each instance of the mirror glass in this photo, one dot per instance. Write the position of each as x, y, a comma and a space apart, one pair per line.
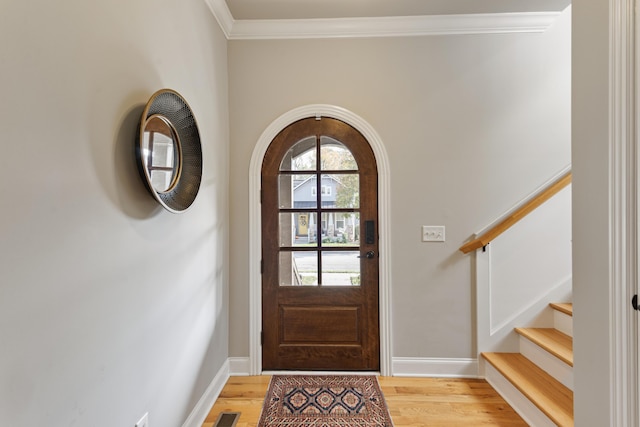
168, 151
161, 153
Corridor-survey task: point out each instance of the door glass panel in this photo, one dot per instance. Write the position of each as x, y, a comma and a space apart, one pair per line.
298, 269
335, 156
297, 191
298, 229
341, 191
340, 269
340, 229
301, 156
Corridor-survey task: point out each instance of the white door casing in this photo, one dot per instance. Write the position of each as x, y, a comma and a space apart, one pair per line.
623, 212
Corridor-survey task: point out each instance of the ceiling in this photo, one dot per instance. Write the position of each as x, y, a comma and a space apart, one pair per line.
307, 9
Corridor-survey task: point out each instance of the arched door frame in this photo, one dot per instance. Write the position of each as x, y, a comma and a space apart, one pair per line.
255, 226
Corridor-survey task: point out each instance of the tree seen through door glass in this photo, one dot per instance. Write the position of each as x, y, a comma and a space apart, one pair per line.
335, 156
319, 225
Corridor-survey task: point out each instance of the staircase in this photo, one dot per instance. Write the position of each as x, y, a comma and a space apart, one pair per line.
538, 381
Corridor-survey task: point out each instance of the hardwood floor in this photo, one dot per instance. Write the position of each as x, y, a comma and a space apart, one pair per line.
412, 402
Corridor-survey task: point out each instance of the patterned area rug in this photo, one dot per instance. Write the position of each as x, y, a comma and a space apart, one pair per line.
324, 401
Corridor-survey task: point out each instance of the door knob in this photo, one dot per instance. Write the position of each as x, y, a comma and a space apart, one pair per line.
368, 255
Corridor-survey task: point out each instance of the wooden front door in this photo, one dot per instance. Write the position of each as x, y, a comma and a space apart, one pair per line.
320, 249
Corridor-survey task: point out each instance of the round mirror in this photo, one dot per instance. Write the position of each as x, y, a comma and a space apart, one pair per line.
168, 151
161, 153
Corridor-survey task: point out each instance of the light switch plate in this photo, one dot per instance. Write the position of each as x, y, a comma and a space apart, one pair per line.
433, 233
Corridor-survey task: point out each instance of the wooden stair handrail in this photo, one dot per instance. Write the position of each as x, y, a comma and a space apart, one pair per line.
516, 216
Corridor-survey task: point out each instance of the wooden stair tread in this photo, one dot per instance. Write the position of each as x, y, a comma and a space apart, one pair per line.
564, 307
552, 340
548, 394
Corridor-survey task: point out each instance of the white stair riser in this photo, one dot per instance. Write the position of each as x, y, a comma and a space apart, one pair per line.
518, 401
547, 362
563, 322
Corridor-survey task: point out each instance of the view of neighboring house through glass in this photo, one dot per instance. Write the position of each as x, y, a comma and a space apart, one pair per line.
319, 211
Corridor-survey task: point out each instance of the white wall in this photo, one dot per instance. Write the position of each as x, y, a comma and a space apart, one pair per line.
531, 259
471, 124
521, 271
109, 306
591, 216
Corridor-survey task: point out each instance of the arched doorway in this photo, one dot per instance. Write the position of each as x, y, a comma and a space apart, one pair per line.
320, 249
255, 227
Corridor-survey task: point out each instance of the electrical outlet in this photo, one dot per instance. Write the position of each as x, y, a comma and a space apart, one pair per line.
144, 421
433, 233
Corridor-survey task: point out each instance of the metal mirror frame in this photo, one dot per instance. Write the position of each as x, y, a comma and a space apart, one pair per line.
172, 108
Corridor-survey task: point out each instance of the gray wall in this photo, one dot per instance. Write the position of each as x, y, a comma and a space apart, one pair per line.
591, 208
471, 124
109, 306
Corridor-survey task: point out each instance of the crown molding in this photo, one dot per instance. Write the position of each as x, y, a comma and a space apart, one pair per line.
397, 26
400, 26
222, 14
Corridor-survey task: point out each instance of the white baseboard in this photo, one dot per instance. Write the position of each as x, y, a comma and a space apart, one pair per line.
202, 408
434, 367
239, 366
